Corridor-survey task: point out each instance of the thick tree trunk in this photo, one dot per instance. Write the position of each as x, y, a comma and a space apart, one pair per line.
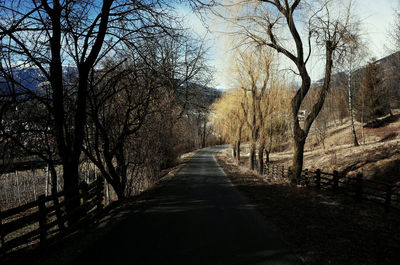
297, 164
237, 147
261, 158
119, 190
299, 134
113, 181
252, 157
54, 183
71, 188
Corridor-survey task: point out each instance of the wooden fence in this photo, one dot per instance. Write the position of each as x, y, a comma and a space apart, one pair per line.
385, 194
45, 218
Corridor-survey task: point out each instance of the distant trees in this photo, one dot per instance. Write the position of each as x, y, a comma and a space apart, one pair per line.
257, 109
372, 100
391, 73
228, 119
395, 30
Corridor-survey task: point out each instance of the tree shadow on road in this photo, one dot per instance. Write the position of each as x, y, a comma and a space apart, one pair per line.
322, 228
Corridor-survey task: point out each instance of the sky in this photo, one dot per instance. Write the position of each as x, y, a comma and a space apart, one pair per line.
376, 17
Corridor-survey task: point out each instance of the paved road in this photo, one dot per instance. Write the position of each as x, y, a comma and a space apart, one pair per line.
196, 218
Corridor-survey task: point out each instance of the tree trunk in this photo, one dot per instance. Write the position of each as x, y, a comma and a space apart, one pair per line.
362, 120
237, 147
203, 144
261, 158
252, 155
71, 188
238, 151
350, 98
54, 183
234, 155
299, 134
297, 164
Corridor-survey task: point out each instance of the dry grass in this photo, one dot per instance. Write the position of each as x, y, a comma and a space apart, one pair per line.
321, 228
377, 159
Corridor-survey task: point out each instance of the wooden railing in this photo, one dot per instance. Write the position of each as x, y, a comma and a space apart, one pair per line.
385, 194
45, 218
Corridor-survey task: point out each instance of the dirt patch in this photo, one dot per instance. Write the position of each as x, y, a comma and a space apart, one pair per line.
321, 228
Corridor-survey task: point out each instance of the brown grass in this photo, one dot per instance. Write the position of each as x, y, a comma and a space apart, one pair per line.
377, 159
321, 228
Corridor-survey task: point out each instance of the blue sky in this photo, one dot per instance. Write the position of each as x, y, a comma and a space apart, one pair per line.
377, 16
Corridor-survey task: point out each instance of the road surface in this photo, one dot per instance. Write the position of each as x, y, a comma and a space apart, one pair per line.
198, 217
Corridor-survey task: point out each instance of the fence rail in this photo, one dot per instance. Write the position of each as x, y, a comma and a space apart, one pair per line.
382, 193
40, 220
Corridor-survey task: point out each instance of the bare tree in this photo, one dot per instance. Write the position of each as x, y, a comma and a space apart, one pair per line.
391, 73
352, 62
48, 35
252, 70
327, 26
128, 92
394, 32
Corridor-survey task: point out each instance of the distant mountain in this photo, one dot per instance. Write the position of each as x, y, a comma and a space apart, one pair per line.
211, 94
32, 79
198, 95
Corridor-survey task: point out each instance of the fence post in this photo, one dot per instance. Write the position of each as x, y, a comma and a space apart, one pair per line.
335, 181
267, 171
60, 221
283, 172
42, 219
359, 186
388, 197
318, 179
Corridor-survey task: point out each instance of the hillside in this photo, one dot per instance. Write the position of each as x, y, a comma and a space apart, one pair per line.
377, 159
